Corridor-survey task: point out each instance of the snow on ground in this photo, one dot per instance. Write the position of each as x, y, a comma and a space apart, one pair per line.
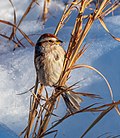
17, 74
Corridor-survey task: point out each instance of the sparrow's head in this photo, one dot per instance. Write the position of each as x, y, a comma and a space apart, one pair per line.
48, 38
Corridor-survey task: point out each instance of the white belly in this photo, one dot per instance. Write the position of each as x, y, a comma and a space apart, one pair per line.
50, 71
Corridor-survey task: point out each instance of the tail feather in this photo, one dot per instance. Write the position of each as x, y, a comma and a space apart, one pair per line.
72, 101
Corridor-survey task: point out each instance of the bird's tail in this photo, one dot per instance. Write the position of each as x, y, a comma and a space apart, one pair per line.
72, 101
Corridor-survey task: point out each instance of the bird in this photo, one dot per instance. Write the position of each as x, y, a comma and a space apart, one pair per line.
48, 60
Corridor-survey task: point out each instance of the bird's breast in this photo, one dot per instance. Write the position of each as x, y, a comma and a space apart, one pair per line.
50, 65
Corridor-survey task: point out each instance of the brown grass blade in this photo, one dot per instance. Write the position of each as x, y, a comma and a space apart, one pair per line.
22, 18
51, 132
90, 95
112, 8
21, 133
39, 118
43, 127
45, 10
87, 109
66, 14
26, 91
72, 57
26, 12
97, 120
81, 52
105, 27
61, 21
25, 36
117, 109
19, 42
69, 115
14, 28
103, 135
32, 113
94, 69
103, 107
7, 23
102, 6
6, 37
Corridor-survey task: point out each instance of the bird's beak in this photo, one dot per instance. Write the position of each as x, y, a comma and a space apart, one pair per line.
59, 42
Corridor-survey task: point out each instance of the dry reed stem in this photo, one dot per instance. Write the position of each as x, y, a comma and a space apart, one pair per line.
103, 109
46, 119
6, 37
66, 14
14, 28
25, 36
33, 112
94, 69
45, 10
97, 120
22, 18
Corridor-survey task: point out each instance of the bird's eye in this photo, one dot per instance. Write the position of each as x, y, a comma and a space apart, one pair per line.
50, 41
